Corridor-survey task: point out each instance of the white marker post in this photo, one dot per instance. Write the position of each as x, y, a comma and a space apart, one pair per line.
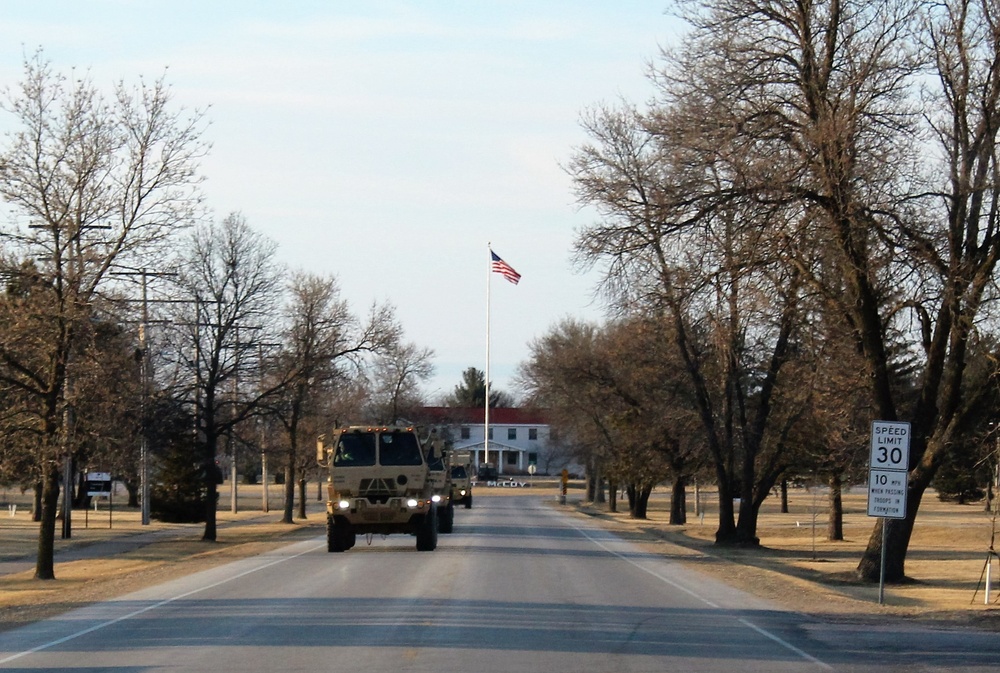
887, 476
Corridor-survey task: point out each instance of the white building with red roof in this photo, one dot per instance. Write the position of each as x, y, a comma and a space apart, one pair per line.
517, 438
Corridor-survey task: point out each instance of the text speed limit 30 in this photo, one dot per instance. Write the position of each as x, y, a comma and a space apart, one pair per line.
890, 446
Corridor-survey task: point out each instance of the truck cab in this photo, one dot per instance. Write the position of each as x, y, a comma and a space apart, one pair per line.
379, 482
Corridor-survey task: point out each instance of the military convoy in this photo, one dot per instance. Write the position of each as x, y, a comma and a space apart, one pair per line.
385, 480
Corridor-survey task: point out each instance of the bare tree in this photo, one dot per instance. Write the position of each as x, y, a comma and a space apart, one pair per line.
320, 337
623, 385
92, 183
229, 273
681, 239
564, 375
828, 87
395, 379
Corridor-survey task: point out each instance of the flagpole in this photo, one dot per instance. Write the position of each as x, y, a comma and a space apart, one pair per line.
486, 403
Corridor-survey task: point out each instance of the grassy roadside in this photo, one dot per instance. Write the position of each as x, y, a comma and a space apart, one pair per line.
143, 555
796, 565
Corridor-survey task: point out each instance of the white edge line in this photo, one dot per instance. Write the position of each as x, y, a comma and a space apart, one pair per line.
154, 606
694, 594
667, 580
785, 644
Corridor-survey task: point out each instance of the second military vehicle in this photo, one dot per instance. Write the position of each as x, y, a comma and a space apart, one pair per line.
461, 478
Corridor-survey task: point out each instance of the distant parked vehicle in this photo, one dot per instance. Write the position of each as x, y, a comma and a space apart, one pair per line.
487, 472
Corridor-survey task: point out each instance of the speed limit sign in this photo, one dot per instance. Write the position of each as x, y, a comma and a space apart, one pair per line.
890, 446
887, 469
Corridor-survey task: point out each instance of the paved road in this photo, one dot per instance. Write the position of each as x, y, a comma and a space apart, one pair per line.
519, 586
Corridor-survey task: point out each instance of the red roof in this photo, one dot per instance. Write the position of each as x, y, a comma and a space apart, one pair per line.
475, 416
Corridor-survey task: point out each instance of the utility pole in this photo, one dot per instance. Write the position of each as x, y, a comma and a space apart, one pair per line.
265, 503
233, 488
145, 371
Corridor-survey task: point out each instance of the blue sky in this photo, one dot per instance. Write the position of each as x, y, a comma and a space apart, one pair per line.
353, 133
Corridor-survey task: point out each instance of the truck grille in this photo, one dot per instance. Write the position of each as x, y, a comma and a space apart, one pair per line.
377, 490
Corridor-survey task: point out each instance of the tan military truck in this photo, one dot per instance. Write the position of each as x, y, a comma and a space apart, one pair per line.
379, 483
461, 478
439, 468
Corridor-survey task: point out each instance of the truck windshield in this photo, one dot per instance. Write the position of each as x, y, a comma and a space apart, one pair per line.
458, 472
355, 449
399, 448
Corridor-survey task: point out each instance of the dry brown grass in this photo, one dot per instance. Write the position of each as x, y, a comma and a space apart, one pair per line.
179, 551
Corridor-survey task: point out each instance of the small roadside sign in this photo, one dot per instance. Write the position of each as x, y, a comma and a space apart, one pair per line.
887, 469
887, 494
98, 484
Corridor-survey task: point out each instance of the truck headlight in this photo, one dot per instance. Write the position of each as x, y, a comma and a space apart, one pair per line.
411, 503
435, 498
343, 504
462, 491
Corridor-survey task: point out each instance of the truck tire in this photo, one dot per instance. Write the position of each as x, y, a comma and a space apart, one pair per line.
337, 536
427, 532
468, 501
446, 519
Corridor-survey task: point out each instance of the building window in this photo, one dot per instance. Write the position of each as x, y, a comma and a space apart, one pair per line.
532, 458
533, 434
511, 433
490, 433
465, 432
512, 457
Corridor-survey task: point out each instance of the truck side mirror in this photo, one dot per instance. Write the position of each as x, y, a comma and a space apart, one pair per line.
321, 452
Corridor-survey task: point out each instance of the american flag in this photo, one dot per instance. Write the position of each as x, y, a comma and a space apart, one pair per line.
505, 269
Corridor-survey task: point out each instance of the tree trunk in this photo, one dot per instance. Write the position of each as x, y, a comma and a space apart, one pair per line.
835, 526
746, 527
726, 532
678, 504
612, 495
213, 474
784, 496
898, 532
45, 562
302, 498
746, 524
132, 488
36, 502
639, 501
80, 498
289, 488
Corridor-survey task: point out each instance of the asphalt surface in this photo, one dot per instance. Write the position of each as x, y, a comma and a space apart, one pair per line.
519, 586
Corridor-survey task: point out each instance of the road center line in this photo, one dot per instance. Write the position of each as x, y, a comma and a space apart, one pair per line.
166, 601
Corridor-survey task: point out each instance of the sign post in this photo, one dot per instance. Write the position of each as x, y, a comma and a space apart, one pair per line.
888, 467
